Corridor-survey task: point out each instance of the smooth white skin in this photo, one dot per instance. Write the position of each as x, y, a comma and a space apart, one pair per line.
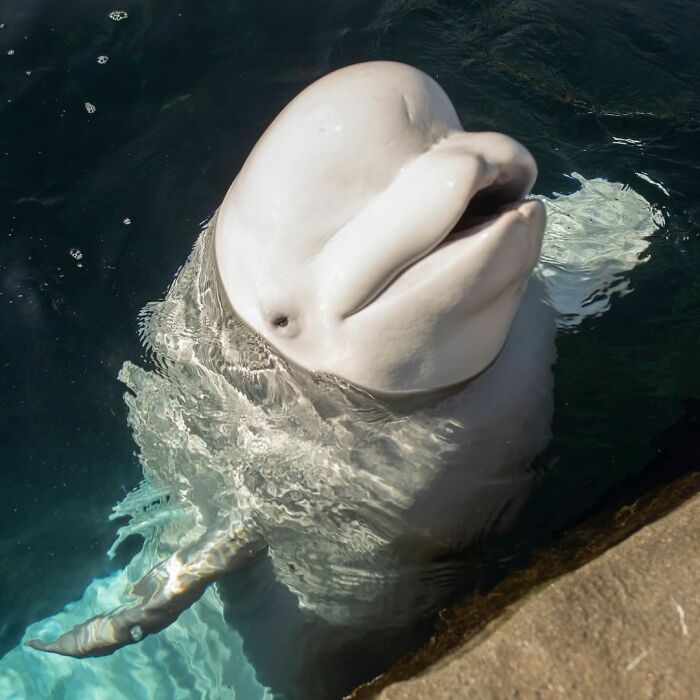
336, 220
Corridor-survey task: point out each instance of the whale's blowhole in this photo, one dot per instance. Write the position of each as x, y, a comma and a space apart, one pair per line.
280, 321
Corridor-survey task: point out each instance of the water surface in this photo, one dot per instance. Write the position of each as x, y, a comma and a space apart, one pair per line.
100, 208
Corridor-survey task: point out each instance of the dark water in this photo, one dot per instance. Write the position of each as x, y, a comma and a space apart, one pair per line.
603, 89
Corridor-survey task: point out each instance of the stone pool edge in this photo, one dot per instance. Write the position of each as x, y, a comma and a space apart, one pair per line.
532, 635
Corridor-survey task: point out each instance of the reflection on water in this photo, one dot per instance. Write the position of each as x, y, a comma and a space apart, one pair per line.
584, 277
363, 504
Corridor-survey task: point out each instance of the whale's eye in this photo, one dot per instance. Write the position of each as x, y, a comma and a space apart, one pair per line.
280, 321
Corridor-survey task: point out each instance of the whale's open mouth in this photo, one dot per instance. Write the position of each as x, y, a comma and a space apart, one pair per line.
491, 202
495, 208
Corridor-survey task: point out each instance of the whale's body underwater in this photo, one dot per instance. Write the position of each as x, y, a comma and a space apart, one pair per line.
353, 496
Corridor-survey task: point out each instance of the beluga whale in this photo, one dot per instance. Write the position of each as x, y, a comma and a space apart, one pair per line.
353, 368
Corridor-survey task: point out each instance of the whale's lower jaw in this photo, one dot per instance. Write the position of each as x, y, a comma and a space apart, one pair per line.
433, 364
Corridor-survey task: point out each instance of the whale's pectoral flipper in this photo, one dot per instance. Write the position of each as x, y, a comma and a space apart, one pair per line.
161, 595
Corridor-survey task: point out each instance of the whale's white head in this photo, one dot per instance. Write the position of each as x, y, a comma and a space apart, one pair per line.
368, 236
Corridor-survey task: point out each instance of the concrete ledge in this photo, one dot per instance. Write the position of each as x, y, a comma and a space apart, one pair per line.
624, 625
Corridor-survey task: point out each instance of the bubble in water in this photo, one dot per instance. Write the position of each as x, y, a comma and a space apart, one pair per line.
90, 108
136, 633
76, 253
127, 221
102, 60
117, 15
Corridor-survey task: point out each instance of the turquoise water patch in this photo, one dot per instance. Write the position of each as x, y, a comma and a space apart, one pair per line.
199, 656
